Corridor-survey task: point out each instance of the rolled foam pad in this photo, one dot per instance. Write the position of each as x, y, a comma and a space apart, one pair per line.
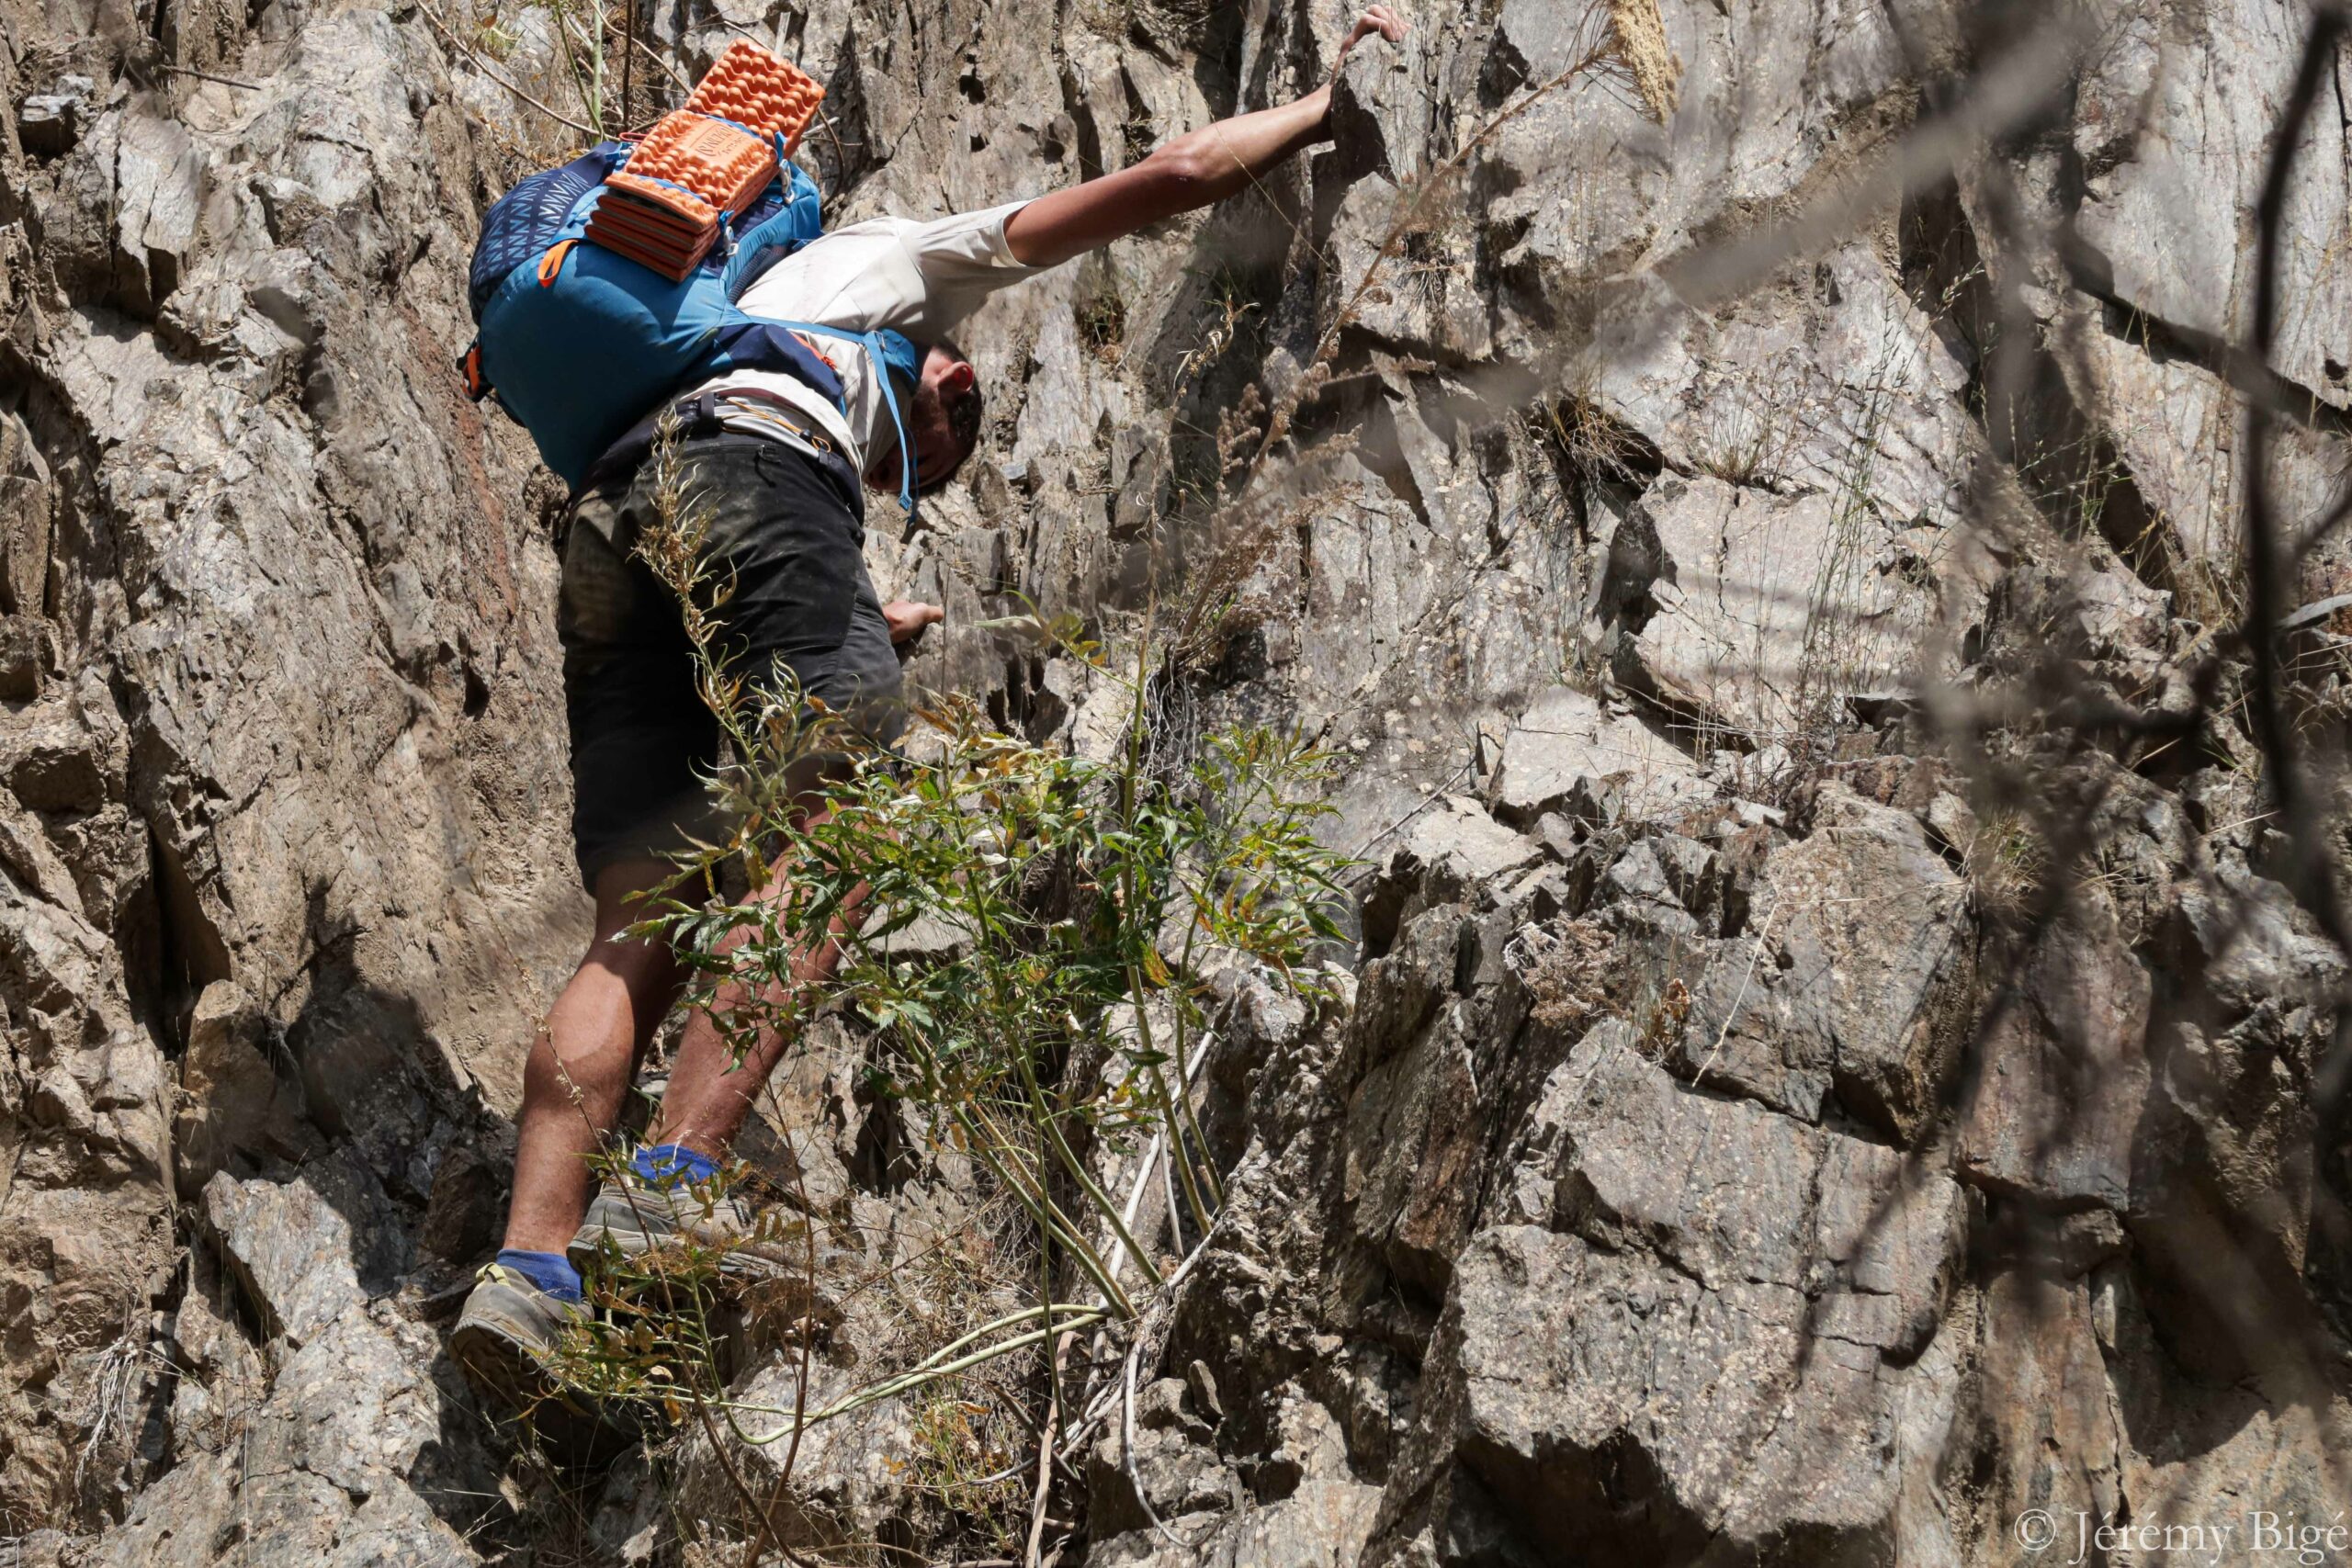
752, 87
725, 166
672, 257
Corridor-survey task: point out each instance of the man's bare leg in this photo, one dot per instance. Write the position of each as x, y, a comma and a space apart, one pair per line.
580, 1067
709, 1094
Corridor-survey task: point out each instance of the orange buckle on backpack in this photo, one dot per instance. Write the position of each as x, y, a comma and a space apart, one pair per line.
552, 263
470, 372
811, 344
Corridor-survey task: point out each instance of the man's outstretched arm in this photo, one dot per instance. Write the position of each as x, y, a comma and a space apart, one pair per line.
1196, 169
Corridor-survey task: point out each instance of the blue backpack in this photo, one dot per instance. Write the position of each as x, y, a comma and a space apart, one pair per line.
579, 342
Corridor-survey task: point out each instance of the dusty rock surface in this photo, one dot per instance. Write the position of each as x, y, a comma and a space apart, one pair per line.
1721, 1159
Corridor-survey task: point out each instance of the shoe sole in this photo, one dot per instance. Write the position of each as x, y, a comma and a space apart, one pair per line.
504, 1369
738, 1267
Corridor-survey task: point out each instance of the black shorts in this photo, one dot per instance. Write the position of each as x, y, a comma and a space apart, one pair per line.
786, 529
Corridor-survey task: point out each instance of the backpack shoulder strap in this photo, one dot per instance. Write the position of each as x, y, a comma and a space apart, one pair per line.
773, 229
890, 352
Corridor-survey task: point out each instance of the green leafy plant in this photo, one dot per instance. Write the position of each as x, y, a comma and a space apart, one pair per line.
1062, 902
1027, 936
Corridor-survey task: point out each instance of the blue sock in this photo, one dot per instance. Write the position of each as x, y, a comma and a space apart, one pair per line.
550, 1271
661, 1164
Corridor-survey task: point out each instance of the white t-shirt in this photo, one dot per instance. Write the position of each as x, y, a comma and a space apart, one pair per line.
893, 274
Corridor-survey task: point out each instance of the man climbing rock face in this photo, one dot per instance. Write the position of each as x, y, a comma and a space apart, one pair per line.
780, 467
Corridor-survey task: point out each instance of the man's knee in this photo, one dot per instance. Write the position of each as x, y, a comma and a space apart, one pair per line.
644, 968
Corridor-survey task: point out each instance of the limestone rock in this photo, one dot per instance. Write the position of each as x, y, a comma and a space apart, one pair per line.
1729, 1192
1323, 1524
2170, 211
342, 1459
1838, 389
1567, 752
1771, 611
1415, 1136
1653, 1256
2058, 1099
48, 122
1469, 846
2180, 432
298, 1248
1558, 1359
1853, 977
232, 1102
25, 657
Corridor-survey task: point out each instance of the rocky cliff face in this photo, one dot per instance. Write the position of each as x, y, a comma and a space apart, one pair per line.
1830, 1069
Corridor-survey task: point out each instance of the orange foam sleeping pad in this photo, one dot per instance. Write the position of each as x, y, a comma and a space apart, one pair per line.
653, 224
722, 169
643, 234
717, 163
753, 87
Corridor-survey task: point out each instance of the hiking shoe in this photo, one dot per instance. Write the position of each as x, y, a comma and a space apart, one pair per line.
506, 1339
636, 1219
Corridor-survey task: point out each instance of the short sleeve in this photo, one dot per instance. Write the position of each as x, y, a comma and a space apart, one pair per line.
963, 259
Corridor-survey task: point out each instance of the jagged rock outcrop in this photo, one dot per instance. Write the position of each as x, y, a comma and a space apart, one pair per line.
1725, 1156
285, 871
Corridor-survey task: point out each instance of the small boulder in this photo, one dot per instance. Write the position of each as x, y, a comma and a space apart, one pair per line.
24, 656
48, 123
58, 761
1466, 847
1854, 975
298, 1250
1567, 754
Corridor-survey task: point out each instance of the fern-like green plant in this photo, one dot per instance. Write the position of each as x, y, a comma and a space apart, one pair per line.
1072, 910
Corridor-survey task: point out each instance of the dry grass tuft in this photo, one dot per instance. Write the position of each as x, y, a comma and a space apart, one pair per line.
1641, 42
2007, 865
1566, 971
